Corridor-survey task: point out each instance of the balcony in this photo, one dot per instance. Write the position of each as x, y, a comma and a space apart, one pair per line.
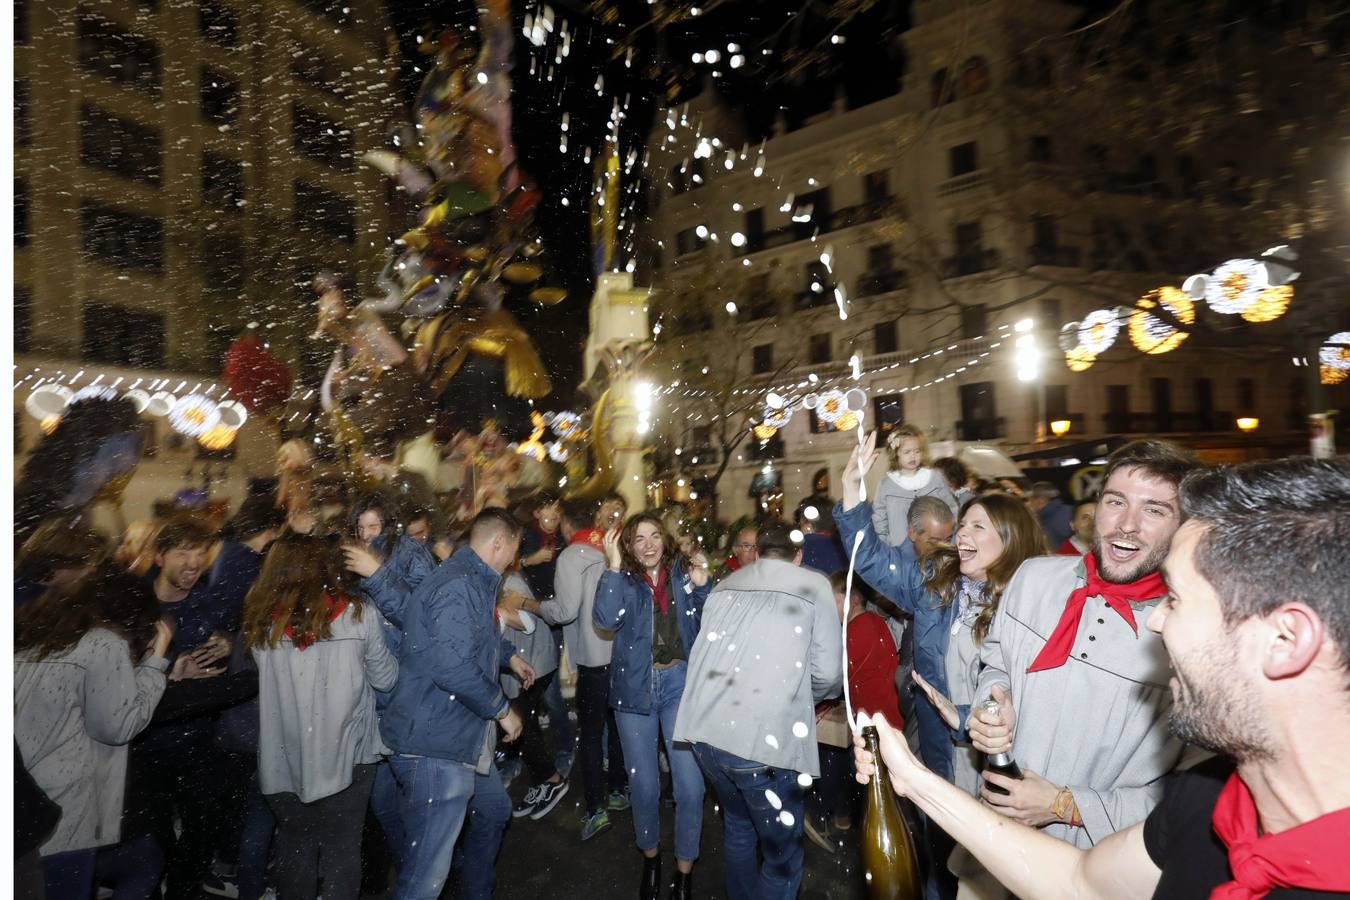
884, 281
1167, 423
867, 211
981, 429
970, 262
1064, 257
811, 299
962, 183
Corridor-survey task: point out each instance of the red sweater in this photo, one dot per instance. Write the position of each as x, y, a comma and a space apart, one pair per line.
872, 660
1068, 549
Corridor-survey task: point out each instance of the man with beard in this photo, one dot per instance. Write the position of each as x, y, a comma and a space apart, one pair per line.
1258, 630
1082, 689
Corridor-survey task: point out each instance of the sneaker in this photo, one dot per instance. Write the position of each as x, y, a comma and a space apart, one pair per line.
526, 806
510, 770
593, 825
819, 835
619, 801
220, 886
551, 793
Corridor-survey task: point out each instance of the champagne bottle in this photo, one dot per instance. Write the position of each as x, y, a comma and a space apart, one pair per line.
1002, 763
890, 864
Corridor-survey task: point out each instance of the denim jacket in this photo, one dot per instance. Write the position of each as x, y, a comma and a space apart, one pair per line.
623, 605
895, 572
447, 692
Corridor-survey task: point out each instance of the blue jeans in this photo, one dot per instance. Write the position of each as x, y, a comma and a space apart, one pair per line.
436, 796
558, 721
133, 868
639, 733
750, 820
70, 874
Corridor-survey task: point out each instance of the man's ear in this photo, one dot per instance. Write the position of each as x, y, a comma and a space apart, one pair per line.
1296, 639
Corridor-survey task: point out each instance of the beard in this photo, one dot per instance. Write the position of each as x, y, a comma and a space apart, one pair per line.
1212, 706
1150, 563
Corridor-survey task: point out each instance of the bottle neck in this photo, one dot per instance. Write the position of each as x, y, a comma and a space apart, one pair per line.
878, 783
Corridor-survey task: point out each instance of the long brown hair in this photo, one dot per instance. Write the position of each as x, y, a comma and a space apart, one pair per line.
300, 577
1022, 537
109, 598
670, 548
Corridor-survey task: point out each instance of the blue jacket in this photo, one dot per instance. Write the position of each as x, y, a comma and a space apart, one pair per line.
894, 571
623, 605
391, 586
447, 692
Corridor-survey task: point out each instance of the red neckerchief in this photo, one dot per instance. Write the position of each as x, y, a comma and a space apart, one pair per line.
732, 563
593, 536
660, 590
1118, 596
336, 607
1310, 856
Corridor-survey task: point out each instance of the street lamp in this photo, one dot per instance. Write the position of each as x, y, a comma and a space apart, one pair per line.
1248, 423
1060, 427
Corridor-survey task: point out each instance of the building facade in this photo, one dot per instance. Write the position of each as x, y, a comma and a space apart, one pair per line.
928, 248
182, 169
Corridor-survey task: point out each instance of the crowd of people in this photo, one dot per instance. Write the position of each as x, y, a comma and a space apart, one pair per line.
223, 707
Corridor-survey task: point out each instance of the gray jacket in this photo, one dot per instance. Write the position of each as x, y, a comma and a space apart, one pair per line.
890, 507
74, 714
769, 650
317, 707
539, 648
575, 581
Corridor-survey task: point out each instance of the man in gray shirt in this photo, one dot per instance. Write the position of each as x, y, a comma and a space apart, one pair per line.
770, 648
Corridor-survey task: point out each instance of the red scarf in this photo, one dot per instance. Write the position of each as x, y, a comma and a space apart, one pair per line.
1310, 856
336, 607
660, 590
593, 536
1118, 596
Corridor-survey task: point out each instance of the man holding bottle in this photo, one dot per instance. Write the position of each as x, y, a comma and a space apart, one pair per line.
1257, 631
1081, 687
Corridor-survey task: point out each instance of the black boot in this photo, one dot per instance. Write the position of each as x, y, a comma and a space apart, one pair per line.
683, 888
651, 878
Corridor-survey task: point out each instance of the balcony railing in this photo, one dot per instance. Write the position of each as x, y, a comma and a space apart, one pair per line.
963, 183
822, 222
971, 262
1066, 257
869, 284
1165, 423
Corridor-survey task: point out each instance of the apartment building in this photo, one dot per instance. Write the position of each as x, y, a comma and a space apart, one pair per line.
182, 169
942, 220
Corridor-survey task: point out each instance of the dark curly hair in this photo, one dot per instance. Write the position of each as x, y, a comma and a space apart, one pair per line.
110, 598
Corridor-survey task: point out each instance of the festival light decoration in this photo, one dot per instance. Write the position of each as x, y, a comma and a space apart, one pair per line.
194, 415
47, 400
1270, 304
1098, 331
1236, 285
161, 403
232, 415
1149, 333
218, 437
1079, 359
830, 406
1336, 357
1330, 375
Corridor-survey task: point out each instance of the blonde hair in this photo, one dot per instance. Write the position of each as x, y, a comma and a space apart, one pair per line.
902, 431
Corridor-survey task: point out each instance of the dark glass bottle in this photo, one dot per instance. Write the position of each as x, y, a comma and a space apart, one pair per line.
890, 865
1002, 763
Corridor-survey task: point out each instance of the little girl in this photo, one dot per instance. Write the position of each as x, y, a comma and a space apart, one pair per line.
909, 477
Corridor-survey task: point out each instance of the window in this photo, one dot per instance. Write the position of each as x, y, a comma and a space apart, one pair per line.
979, 412
118, 55
121, 336
223, 260
321, 209
1161, 391
876, 186
688, 241
1056, 402
963, 159
20, 21
220, 97
1118, 408
761, 302
818, 349
122, 239
761, 359
812, 213
319, 70
884, 338
218, 23
1052, 316
819, 288
1041, 149
940, 90
1045, 232
23, 123
222, 182
336, 11
974, 76
23, 319
969, 239
120, 145
320, 138
754, 230
880, 258
1246, 395
974, 321
20, 212
888, 411
679, 179
1204, 404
